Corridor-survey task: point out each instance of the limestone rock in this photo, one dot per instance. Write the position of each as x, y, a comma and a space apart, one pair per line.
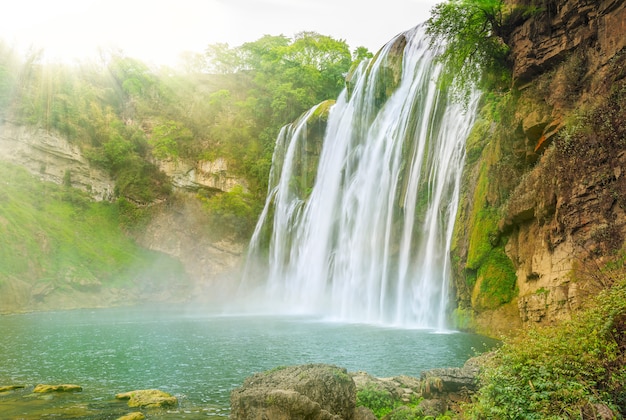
452, 380
133, 416
403, 388
43, 388
50, 157
314, 391
364, 413
149, 398
390, 73
212, 175
179, 229
548, 37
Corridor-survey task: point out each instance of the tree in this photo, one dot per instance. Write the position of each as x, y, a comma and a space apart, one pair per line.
474, 37
361, 53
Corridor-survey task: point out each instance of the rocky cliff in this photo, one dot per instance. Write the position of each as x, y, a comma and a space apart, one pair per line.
544, 182
52, 158
181, 228
177, 227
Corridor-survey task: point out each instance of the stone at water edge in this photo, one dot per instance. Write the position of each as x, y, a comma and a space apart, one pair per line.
148, 398
8, 388
454, 380
44, 388
133, 416
314, 391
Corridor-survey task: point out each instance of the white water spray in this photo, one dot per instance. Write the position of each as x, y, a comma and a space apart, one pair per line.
371, 241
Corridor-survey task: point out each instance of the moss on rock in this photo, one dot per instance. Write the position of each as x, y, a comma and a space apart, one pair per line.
149, 398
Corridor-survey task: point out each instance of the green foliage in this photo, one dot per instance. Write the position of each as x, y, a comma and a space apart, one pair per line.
171, 139
285, 77
566, 371
475, 53
125, 114
56, 234
233, 212
386, 406
380, 401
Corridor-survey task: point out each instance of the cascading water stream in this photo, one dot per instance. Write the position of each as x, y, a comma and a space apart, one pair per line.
370, 242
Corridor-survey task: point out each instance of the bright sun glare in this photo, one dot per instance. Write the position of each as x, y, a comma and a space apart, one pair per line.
159, 31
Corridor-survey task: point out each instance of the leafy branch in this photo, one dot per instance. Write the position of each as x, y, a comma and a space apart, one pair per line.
475, 52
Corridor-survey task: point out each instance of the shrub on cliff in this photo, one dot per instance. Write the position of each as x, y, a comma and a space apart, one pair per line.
574, 370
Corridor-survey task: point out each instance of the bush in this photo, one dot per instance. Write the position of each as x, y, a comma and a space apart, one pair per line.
571, 370
234, 212
380, 401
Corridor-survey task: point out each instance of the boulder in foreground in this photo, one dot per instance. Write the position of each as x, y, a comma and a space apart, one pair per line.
312, 392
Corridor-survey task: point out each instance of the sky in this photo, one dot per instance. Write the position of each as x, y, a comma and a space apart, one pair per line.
158, 31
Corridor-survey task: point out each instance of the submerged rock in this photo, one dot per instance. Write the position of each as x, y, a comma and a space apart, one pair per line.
314, 391
149, 398
43, 388
133, 416
8, 388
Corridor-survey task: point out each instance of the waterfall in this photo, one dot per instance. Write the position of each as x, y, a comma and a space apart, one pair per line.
370, 241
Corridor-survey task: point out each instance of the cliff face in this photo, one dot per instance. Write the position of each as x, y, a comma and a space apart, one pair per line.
177, 228
180, 228
204, 174
561, 27
53, 159
553, 166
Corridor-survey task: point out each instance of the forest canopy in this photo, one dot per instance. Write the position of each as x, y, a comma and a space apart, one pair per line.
228, 102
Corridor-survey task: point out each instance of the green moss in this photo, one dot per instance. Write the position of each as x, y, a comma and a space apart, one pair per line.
475, 142
342, 375
463, 319
232, 212
497, 280
483, 222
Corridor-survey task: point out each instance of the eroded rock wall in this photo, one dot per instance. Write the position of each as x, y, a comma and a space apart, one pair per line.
53, 159
561, 26
181, 228
550, 168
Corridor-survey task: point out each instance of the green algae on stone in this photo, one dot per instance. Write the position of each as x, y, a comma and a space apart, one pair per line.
133, 416
7, 388
44, 388
149, 398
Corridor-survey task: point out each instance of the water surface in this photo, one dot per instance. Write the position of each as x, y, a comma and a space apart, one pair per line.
197, 356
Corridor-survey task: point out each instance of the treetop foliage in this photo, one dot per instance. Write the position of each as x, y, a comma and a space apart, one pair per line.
228, 103
474, 38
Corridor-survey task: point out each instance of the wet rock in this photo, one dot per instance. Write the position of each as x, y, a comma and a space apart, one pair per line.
133, 416
8, 388
402, 388
452, 380
314, 391
148, 398
364, 413
44, 389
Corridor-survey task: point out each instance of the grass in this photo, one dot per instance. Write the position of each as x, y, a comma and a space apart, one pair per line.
56, 234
